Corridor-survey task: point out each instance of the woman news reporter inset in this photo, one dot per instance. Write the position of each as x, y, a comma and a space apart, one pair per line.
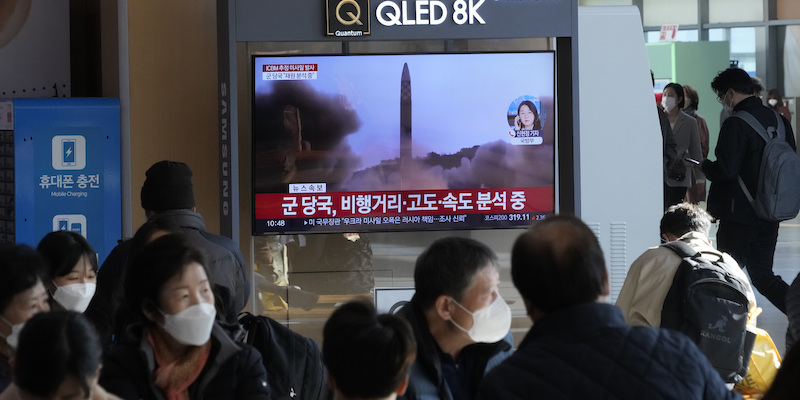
527, 117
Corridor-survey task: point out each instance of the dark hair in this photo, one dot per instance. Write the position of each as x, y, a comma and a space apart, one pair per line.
158, 222
448, 267
21, 267
62, 250
368, 355
683, 218
732, 78
54, 346
157, 263
123, 315
558, 263
775, 94
168, 186
691, 95
537, 124
678, 91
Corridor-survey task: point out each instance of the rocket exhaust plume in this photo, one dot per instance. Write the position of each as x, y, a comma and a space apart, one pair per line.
405, 125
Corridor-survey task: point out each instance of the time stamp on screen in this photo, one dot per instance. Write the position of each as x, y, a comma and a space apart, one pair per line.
275, 223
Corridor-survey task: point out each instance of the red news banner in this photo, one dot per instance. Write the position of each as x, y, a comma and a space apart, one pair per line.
396, 203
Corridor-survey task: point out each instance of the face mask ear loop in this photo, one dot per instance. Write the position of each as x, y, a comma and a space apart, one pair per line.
462, 307
466, 311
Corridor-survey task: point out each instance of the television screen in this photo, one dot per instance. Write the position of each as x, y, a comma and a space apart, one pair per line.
362, 143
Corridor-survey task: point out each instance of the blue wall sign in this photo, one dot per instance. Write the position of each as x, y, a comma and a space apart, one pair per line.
67, 169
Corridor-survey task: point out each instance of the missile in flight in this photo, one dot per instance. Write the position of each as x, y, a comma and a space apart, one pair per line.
405, 123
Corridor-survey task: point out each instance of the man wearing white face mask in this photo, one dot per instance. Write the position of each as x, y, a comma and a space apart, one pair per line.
71, 275
460, 321
22, 296
742, 233
579, 346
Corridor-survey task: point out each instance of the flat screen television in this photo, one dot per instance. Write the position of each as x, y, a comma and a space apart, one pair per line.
359, 143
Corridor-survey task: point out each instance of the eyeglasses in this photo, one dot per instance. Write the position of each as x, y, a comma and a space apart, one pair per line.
721, 97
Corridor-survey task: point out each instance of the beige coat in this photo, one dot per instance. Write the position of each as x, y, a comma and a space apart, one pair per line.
688, 145
650, 277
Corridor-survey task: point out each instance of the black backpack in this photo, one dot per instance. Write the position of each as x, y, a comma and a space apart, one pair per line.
710, 306
293, 362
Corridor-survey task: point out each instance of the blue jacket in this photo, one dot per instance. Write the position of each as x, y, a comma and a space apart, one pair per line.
426, 381
588, 352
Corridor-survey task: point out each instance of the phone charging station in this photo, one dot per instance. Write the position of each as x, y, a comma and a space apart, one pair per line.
66, 154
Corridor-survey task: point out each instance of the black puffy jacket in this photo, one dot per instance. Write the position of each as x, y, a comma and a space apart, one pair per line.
233, 370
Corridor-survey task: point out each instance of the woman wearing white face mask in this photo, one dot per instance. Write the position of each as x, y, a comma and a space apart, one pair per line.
71, 277
22, 296
684, 129
175, 349
775, 102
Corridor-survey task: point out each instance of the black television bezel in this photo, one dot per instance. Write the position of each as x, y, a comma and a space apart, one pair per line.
557, 182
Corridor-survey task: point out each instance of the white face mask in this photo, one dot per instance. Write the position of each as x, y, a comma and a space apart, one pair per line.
192, 326
75, 297
725, 106
669, 103
13, 338
490, 324
772, 102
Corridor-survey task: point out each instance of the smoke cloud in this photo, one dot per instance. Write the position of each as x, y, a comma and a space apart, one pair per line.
318, 153
494, 165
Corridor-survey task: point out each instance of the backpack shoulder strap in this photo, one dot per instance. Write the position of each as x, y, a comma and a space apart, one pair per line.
247, 320
780, 129
682, 249
672, 310
780, 133
753, 122
747, 194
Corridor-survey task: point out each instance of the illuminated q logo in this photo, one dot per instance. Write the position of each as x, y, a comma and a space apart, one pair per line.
354, 18
347, 18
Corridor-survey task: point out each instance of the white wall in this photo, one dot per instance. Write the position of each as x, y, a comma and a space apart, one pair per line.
34, 48
620, 138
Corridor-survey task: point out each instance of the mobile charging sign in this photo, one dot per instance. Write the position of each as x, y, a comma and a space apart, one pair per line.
67, 170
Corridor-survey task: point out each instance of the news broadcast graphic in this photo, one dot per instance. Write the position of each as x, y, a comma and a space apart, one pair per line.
362, 143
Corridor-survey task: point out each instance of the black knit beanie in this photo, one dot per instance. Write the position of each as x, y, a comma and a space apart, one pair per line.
168, 186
